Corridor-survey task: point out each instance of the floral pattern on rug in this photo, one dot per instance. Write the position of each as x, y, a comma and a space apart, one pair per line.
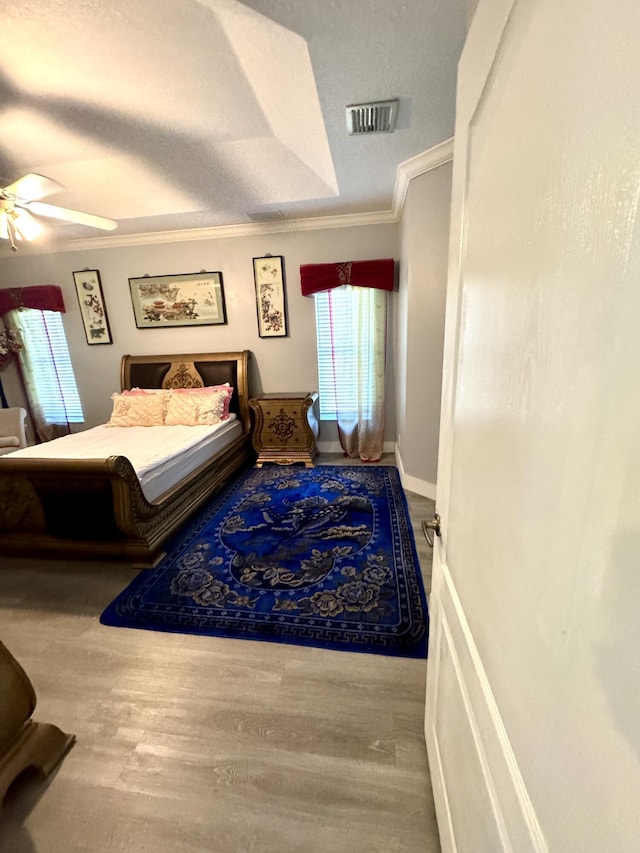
321, 556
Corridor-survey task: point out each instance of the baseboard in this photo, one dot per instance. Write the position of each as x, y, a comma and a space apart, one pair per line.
335, 447
414, 484
481, 800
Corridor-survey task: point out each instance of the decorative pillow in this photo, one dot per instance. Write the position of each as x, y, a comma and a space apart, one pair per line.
227, 403
226, 388
9, 441
196, 407
138, 410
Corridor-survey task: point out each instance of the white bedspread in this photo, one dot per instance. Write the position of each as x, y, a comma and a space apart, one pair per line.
161, 456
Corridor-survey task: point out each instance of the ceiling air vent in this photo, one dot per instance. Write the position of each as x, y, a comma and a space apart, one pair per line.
376, 117
265, 215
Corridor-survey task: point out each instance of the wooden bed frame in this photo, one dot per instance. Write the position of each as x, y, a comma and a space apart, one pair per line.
95, 508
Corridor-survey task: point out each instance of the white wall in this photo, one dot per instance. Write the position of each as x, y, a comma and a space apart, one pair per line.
278, 364
424, 239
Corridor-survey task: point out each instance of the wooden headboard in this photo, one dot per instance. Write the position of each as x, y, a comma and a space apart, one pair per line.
192, 370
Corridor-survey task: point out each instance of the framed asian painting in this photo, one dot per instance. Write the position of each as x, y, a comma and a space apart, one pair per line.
92, 308
189, 299
271, 303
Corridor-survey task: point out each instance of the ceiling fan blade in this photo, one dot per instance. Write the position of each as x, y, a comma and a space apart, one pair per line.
90, 219
30, 187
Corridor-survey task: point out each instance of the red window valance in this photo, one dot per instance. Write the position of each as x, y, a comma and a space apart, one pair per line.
43, 297
317, 277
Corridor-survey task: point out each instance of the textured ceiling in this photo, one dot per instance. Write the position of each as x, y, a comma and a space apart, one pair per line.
174, 114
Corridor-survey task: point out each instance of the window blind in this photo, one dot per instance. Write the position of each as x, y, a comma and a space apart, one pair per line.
50, 365
340, 341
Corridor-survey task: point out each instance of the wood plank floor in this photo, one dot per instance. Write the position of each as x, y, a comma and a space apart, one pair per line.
191, 744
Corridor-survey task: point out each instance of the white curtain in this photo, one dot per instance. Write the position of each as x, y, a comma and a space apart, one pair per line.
358, 322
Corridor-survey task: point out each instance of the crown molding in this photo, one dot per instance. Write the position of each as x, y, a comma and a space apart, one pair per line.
430, 159
248, 229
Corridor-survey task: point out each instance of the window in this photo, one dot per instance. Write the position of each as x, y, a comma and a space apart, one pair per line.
47, 361
350, 330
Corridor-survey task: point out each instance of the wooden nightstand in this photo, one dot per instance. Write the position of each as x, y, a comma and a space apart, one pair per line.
285, 428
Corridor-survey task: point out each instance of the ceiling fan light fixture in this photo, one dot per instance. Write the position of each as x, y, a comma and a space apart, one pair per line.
17, 224
26, 226
8, 230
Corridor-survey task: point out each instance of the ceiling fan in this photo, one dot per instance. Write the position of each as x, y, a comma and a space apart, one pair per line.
21, 199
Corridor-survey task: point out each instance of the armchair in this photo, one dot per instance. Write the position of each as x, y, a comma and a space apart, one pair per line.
12, 429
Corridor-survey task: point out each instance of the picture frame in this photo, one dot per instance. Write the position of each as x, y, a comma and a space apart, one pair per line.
186, 299
271, 298
92, 307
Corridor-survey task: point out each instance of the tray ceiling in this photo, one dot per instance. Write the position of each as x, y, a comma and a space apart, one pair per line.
182, 114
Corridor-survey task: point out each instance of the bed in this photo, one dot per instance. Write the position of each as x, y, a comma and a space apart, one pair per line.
74, 506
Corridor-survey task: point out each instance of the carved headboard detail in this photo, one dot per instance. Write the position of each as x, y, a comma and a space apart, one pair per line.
183, 375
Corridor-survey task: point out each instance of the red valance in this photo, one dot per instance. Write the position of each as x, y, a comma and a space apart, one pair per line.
44, 297
317, 277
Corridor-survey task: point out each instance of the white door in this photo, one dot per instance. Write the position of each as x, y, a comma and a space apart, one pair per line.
533, 693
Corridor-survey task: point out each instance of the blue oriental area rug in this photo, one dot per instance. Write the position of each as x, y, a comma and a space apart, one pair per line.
320, 556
